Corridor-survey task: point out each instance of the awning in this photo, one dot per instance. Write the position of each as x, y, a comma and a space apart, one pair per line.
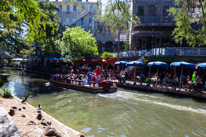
112, 61
83, 61
101, 61
92, 61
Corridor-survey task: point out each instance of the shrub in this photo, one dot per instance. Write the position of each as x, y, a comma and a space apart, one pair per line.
13, 64
7, 94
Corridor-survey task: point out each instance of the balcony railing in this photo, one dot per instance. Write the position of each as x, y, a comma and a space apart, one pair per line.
155, 0
128, 54
179, 51
155, 19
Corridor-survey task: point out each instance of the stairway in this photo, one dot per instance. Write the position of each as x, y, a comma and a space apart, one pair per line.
130, 69
78, 18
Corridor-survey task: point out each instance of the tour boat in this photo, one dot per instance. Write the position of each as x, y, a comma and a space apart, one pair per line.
105, 86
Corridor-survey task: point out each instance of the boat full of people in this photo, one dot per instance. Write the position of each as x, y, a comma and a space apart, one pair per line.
90, 83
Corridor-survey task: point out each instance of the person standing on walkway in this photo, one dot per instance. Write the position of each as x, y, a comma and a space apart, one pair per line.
194, 76
98, 72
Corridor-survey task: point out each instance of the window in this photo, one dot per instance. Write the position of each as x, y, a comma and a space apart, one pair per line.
60, 19
90, 21
152, 10
165, 10
73, 19
82, 6
68, 8
82, 21
140, 11
67, 19
87, 1
60, 7
79, 0
56, 0
74, 8
91, 8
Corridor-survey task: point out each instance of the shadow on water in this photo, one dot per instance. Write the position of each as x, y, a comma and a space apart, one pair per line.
21, 83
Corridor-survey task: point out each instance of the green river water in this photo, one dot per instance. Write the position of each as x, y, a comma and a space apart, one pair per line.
126, 113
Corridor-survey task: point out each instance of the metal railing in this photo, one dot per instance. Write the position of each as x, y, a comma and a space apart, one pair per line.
155, 19
178, 51
128, 54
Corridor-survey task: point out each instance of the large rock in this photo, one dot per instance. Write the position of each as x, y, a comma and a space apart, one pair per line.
39, 116
11, 112
31, 123
24, 107
51, 131
45, 122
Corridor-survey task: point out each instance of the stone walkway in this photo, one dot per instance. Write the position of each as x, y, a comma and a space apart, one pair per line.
7, 126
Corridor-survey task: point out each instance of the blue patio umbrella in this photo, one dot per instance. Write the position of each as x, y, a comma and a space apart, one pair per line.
182, 65
120, 63
201, 65
157, 64
48, 59
135, 63
54, 59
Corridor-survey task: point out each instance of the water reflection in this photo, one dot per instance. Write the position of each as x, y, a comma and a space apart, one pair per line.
125, 113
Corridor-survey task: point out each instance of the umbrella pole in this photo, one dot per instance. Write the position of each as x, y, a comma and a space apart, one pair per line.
157, 75
180, 79
135, 76
149, 71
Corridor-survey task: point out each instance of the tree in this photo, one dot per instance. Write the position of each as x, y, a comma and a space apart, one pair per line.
25, 11
76, 42
44, 45
126, 46
13, 15
107, 55
117, 16
188, 14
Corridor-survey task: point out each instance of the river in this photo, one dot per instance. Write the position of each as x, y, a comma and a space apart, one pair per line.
126, 113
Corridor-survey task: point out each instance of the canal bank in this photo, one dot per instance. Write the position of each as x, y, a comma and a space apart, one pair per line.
25, 118
126, 113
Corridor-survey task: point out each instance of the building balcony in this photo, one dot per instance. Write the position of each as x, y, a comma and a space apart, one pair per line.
154, 1
155, 21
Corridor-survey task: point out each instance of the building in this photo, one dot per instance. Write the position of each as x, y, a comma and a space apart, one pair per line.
155, 29
72, 15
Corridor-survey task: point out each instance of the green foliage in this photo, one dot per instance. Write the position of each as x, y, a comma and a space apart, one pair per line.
27, 12
126, 46
13, 64
106, 55
7, 94
45, 44
116, 16
76, 42
184, 16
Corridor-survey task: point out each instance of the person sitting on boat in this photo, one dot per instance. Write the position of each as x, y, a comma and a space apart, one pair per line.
84, 80
89, 75
60, 76
98, 72
56, 75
